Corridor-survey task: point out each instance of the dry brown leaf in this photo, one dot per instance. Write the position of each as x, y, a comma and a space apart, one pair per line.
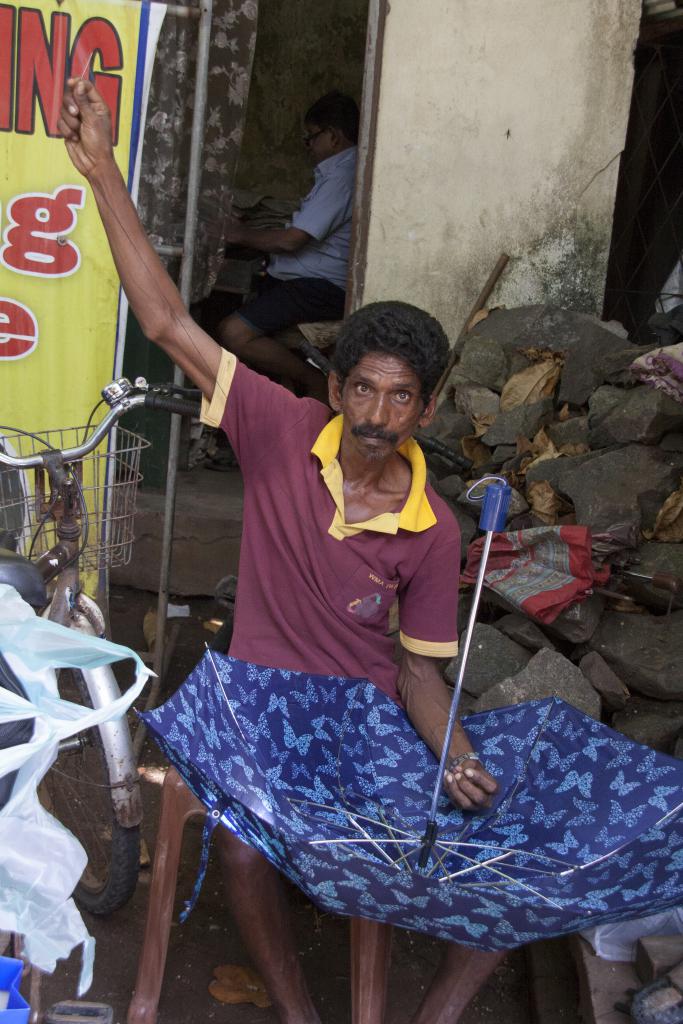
523, 444
149, 628
530, 385
535, 354
542, 449
564, 413
515, 480
542, 445
474, 450
236, 984
669, 522
543, 501
482, 423
480, 315
212, 625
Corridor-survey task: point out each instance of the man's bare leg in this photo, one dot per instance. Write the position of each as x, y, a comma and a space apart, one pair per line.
460, 975
259, 907
269, 356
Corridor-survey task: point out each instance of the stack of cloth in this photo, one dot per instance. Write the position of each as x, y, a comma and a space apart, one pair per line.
262, 211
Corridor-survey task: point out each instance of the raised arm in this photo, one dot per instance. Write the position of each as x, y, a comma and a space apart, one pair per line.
155, 300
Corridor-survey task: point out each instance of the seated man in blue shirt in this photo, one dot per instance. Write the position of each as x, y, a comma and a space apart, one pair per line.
306, 278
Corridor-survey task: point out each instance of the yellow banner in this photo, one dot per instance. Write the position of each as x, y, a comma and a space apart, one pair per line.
59, 291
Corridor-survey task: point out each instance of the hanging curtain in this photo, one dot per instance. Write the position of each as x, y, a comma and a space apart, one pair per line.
165, 161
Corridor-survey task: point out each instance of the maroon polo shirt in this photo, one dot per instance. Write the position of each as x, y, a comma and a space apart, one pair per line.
314, 592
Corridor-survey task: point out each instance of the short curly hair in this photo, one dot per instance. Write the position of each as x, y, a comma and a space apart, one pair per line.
398, 329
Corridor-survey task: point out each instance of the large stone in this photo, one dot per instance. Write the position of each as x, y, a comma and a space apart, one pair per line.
654, 557
468, 529
616, 365
525, 632
518, 504
602, 402
448, 424
451, 487
492, 657
571, 431
577, 623
554, 470
461, 426
511, 328
646, 651
641, 414
624, 486
651, 722
672, 442
548, 674
482, 361
608, 684
472, 400
589, 346
522, 421
503, 453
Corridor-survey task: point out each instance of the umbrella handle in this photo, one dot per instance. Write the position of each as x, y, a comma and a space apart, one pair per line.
492, 520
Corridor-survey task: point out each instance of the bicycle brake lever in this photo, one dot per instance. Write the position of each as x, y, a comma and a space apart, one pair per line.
122, 388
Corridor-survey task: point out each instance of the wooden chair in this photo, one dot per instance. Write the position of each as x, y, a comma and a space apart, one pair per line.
370, 942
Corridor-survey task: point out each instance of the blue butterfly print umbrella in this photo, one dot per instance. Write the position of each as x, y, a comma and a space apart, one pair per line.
328, 779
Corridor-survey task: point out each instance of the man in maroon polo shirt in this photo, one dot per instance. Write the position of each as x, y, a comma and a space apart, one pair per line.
338, 522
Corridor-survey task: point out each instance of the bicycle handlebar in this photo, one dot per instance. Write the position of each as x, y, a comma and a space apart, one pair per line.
181, 406
121, 404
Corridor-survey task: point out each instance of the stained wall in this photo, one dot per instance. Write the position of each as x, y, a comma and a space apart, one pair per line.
500, 127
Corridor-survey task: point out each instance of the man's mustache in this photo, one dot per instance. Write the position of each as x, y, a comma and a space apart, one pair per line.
367, 430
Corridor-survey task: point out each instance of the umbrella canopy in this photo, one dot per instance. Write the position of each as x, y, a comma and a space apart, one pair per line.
328, 779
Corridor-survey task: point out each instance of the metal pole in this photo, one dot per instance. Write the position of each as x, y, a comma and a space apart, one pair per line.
185, 285
455, 701
178, 11
492, 520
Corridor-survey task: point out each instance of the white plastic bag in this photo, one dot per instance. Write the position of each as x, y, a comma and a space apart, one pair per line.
41, 861
618, 941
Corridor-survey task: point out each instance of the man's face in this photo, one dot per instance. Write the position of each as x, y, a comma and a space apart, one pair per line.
320, 142
382, 405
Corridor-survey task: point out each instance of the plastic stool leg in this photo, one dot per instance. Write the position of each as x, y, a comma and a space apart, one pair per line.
178, 804
370, 960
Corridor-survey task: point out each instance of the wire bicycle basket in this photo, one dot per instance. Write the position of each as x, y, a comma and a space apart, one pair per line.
109, 478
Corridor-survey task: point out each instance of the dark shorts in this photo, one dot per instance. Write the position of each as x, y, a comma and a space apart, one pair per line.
300, 300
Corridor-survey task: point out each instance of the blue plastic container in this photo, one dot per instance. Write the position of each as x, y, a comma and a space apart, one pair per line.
17, 1009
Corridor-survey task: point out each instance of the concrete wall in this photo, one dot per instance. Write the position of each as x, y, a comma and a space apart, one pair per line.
304, 48
500, 128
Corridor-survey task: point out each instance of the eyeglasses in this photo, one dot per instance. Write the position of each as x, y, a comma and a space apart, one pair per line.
309, 136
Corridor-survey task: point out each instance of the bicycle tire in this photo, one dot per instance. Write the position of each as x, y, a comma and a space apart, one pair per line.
77, 791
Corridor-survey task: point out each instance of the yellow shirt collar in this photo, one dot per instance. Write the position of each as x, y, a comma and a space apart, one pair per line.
416, 515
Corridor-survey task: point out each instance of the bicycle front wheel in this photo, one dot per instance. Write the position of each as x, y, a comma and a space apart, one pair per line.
78, 791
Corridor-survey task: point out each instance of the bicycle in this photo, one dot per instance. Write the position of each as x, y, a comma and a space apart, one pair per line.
93, 787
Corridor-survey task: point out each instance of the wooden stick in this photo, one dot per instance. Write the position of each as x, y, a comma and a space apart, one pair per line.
480, 303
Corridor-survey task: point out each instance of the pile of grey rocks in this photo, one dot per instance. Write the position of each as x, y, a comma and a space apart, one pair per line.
588, 444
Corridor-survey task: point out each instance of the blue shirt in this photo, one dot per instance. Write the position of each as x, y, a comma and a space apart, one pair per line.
325, 214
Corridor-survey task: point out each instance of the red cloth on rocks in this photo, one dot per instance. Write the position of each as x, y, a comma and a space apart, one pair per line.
541, 571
